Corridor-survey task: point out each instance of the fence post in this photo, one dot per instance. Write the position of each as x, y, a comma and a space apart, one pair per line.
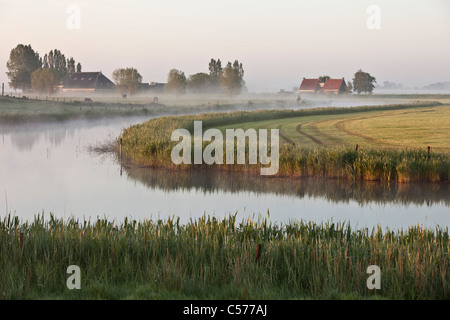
120, 150
258, 252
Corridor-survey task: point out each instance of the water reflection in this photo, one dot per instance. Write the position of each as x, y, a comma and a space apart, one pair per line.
333, 190
26, 136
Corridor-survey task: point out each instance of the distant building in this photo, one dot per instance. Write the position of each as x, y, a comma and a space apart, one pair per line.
156, 87
86, 82
334, 86
330, 86
309, 86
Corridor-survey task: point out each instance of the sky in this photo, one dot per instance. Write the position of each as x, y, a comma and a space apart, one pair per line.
278, 42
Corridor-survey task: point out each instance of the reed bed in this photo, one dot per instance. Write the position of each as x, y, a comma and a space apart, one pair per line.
213, 258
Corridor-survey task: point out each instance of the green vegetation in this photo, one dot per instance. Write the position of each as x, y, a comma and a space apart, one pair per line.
229, 80
363, 82
210, 258
176, 82
44, 81
149, 144
24, 61
19, 110
127, 80
44, 108
198, 83
394, 129
56, 61
232, 78
39, 109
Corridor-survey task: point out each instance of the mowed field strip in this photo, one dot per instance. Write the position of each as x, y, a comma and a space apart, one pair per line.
414, 128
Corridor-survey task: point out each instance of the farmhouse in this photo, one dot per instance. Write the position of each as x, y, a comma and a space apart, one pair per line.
334, 86
331, 86
86, 82
309, 86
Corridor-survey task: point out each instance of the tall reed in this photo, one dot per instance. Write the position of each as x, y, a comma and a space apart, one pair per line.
214, 258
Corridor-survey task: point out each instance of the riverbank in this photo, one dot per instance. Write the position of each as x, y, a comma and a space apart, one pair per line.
16, 110
149, 144
210, 258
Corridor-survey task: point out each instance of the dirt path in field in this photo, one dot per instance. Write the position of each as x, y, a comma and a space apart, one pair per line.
288, 140
303, 133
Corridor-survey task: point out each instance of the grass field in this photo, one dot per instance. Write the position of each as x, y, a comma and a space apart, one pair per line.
397, 129
210, 258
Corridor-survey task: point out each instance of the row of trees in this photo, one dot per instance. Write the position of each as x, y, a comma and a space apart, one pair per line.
229, 80
27, 70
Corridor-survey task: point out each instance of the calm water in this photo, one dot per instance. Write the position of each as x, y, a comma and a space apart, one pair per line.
47, 168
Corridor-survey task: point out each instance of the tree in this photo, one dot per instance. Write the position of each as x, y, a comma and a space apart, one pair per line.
323, 79
78, 67
232, 78
349, 87
44, 80
176, 82
127, 80
23, 61
199, 82
70, 65
215, 70
57, 61
363, 82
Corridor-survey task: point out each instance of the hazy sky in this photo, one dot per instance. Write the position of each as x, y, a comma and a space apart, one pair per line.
279, 42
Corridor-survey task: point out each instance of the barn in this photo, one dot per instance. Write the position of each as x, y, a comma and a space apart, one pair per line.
86, 82
334, 86
309, 86
331, 86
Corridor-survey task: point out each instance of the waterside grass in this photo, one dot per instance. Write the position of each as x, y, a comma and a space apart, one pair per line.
213, 258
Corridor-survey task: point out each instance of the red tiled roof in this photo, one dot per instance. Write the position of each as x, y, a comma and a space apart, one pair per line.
309, 84
332, 84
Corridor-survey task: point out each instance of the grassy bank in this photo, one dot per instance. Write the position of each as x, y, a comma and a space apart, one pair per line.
212, 258
149, 144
